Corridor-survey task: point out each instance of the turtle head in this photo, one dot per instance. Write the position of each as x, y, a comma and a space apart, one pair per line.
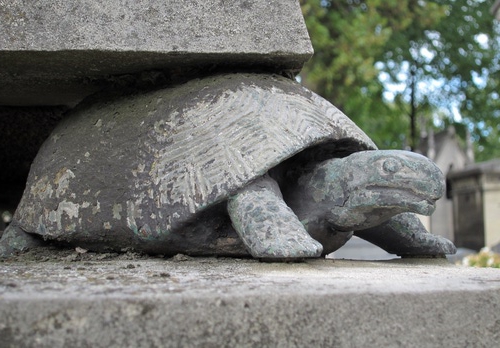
369, 187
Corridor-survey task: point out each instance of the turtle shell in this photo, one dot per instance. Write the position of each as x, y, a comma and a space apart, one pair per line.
152, 170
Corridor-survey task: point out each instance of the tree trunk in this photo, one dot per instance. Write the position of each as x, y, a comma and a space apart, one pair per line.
413, 107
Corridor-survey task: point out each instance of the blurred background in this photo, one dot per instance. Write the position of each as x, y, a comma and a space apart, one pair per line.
403, 68
422, 76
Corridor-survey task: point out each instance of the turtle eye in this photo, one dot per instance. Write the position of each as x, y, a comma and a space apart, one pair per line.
391, 165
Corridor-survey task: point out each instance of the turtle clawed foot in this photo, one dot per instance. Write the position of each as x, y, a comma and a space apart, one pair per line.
404, 235
286, 248
14, 240
269, 229
429, 245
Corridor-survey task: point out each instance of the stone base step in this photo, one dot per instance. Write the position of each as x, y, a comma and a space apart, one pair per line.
80, 301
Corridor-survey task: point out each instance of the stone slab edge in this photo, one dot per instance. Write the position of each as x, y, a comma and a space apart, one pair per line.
52, 52
227, 303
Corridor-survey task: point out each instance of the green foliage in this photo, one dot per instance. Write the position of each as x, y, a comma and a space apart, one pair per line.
468, 60
485, 258
393, 65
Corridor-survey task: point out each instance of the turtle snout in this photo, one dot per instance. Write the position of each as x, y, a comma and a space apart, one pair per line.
423, 174
418, 181
427, 192
436, 183
439, 190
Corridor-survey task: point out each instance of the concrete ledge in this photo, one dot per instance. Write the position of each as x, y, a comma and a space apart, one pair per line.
51, 52
227, 303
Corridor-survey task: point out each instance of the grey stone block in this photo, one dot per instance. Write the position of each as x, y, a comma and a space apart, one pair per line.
243, 303
56, 52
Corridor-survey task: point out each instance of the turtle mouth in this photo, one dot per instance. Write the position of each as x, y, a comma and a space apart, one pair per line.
424, 207
406, 198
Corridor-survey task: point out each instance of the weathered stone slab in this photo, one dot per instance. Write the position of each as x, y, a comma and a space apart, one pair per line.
56, 52
209, 302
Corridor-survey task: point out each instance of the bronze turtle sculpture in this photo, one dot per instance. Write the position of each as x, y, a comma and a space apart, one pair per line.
232, 164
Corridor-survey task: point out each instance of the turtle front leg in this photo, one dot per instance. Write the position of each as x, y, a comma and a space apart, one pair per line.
406, 236
268, 227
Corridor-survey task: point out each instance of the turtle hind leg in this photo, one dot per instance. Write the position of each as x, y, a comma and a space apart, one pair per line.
405, 235
269, 229
14, 240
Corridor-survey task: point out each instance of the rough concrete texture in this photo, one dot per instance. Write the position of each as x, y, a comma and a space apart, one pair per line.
56, 52
210, 302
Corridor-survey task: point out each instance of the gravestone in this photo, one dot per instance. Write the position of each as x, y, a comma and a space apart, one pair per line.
475, 193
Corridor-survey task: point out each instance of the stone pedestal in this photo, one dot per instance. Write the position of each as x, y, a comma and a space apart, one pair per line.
57, 52
243, 303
